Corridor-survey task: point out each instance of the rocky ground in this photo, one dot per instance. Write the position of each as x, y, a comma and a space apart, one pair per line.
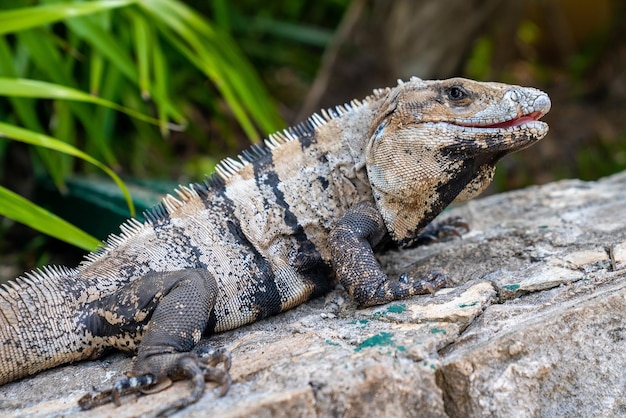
535, 325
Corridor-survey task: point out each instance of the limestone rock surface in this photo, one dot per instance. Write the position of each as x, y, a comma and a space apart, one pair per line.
535, 326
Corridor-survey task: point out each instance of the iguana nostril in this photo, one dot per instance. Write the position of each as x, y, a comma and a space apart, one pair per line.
542, 103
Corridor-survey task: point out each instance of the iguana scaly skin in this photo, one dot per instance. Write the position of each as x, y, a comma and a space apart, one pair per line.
280, 225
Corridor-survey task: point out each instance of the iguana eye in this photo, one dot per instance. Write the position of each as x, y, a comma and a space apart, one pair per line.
456, 93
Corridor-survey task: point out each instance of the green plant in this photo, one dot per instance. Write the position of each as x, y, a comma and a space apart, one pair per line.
70, 71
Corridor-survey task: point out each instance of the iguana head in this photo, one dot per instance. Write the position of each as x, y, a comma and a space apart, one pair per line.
435, 142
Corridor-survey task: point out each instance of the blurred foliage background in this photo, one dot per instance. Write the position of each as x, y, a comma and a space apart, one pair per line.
163, 89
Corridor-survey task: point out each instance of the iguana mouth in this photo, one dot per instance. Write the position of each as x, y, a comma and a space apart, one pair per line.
521, 120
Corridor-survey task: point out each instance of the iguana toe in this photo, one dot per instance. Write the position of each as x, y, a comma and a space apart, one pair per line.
199, 367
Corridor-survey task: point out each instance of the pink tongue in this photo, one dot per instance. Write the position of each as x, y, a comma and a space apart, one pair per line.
514, 122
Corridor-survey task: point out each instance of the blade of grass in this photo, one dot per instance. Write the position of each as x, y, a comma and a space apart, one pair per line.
64, 126
209, 52
160, 73
41, 140
220, 11
96, 61
45, 56
23, 211
42, 90
143, 43
209, 65
238, 70
25, 110
106, 43
29, 17
48, 60
96, 68
105, 117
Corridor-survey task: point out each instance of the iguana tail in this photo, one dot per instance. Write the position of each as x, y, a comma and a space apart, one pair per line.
39, 323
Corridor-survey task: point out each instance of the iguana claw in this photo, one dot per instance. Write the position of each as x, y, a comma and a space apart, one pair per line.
199, 366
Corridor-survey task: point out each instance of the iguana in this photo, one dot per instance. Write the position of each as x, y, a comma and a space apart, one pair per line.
283, 223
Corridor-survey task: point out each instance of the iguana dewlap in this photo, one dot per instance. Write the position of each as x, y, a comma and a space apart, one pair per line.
281, 224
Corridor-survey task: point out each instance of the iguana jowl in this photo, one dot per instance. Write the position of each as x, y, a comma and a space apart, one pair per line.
278, 226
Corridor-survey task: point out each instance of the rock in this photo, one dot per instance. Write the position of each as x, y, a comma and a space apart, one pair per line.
565, 359
534, 326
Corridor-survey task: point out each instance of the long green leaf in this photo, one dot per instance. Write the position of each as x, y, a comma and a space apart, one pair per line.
23, 211
24, 108
238, 71
29, 17
160, 91
64, 127
209, 63
35, 138
26, 112
19, 87
143, 43
47, 59
96, 62
106, 43
217, 56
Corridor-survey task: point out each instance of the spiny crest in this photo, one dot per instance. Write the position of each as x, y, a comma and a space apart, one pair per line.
34, 278
230, 166
226, 169
128, 229
153, 216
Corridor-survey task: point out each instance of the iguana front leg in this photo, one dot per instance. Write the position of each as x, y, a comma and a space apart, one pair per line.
351, 241
179, 303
